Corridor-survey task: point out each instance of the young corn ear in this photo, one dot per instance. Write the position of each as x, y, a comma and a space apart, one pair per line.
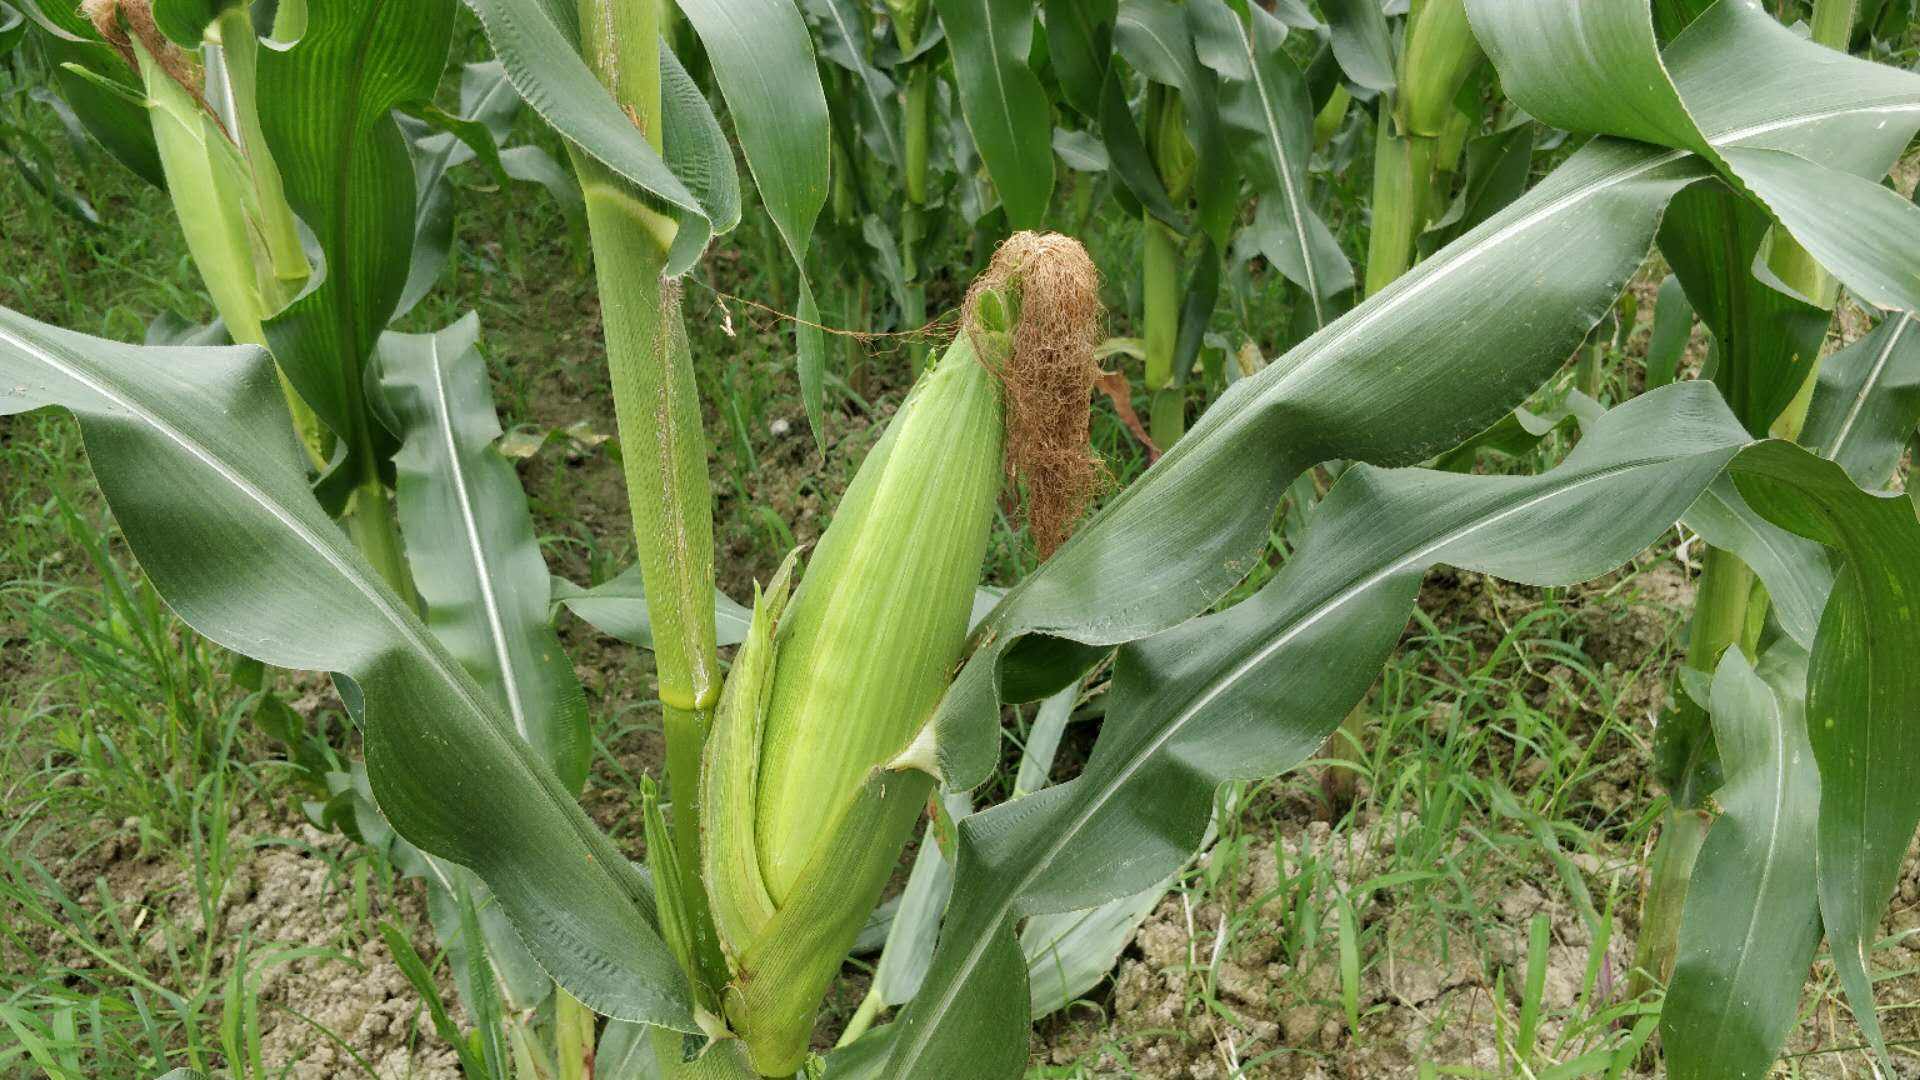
805, 803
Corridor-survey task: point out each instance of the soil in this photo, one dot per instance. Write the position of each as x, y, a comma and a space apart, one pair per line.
1433, 1001
315, 962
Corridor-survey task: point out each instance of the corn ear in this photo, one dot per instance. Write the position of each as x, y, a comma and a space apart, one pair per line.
1440, 53
880, 618
207, 180
817, 770
807, 815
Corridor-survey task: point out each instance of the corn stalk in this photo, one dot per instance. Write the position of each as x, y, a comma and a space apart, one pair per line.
664, 447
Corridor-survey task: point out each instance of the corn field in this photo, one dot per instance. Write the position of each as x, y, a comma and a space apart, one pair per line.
1037, 441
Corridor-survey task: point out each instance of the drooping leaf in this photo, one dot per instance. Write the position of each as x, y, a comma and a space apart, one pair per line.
626, 1051
1393, 381
33, 160
763, 59
1263, 100
1257, 689
104, 93
1672, 328
1127, 152
1862, 694
916, 921
471, 543
1496, 171
487, 100
1003, 100
1080, 42
694, 183
617, 608
1361, 42
1069, 953
1796, 570
1868, 401
1157, 38
13, 29
846, 43
1598, 67
1864, 234
1765, 341
186, 21
1752, 917
258, 568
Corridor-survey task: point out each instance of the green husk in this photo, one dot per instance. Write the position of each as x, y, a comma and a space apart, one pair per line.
810, 790
1440, 53
869, 641
730, 857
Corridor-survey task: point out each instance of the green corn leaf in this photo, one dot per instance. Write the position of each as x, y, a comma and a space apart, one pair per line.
408, 960
1796, 570
763, 59
538, 42
1863, 233
486, 99
1000, 96
13, 28
208, 429
471, 543
1157, 38
1597, 67
916, 921
106, 96
522, 979
1497, 167
326, 107
1127, 153
1868, 402
1752, 918
484, 1004
1070, 953
1258, 688
617, 608
1080, 42
1670, 17
846, 43
34, 160
1672, 327
626, 1051
186, 21
1263, 101
1361, 42
1862, 691
1392, 381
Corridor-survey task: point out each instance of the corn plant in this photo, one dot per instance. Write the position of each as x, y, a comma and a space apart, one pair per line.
794, 780
408, 411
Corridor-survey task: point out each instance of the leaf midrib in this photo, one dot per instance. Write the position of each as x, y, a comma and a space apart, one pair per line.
470, 525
